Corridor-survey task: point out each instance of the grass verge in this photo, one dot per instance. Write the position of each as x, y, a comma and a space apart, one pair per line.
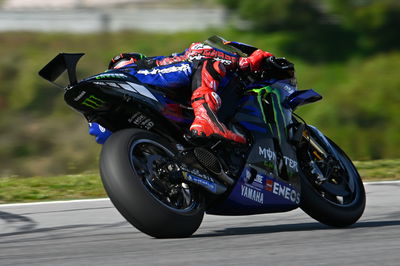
379, 170
33, 189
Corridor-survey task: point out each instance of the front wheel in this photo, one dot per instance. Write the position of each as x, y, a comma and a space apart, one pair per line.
332, 190
134, 170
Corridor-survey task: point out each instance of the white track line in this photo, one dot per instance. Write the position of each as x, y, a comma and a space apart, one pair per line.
382, 182
52, 202
107, 199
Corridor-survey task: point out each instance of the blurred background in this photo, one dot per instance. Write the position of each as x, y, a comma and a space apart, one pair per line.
347, 50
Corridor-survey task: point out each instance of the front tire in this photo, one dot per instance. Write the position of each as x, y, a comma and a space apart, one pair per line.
337, 198
131, 167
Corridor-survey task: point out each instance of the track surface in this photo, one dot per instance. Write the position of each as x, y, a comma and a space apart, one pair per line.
93, 233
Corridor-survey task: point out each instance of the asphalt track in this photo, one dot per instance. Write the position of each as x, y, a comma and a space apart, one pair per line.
93, 233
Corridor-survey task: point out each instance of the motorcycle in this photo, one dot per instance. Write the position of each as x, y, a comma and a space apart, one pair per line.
162, 180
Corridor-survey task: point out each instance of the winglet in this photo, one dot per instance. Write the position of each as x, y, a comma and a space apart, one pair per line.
60, 63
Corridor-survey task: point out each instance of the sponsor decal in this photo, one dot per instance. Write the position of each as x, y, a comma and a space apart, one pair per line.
253, 180
198, 46
290, 162
197, 173
171, 60
271, 156
289, 89
202, 182
93, 102
267, 153
285, 86
244, 63
141, 120
171, 69
283, 191
77, 98
269, 184
111, 75
269, 166
259, 179
247, 176
252, 194
205, 54
102, 129
201, 51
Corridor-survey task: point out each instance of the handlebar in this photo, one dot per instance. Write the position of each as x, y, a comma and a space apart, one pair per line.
279, 63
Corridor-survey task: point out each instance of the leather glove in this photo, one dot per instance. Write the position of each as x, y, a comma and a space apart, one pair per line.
254, 61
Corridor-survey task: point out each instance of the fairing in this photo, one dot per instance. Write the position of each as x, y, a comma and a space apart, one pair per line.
116, 101
269, 181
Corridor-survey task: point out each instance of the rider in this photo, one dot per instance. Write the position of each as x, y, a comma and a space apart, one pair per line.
203, 65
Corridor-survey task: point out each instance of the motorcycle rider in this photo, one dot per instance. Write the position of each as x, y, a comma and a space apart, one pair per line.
203, 66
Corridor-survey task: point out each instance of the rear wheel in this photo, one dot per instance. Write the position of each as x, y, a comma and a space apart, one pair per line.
332, 190
134, 170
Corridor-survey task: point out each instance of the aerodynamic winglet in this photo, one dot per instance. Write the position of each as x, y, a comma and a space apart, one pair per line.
60, 63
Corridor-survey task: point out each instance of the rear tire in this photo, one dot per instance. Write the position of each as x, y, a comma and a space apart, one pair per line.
130, 165
340, 200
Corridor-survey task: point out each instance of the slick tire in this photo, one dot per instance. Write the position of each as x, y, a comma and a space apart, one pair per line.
131, 196
328, 212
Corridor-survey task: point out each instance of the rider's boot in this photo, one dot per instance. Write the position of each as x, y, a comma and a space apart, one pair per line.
205, 103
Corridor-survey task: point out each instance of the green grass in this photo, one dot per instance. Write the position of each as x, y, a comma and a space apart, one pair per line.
34, 189
379, 170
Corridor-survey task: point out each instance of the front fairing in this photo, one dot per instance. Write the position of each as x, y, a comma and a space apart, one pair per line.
269, 181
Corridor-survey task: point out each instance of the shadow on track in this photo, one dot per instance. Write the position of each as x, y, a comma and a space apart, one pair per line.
25, 225
11, 218
237, 231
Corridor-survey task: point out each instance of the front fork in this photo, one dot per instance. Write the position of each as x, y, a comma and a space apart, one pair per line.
318, 151
319, 155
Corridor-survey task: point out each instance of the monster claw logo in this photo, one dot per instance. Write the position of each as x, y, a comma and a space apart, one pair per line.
111, 75
93, 102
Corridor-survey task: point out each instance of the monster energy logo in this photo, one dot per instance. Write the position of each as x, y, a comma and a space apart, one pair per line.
279, 117
93, 102
111, 75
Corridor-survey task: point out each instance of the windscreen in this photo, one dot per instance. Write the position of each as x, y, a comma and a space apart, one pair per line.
286, 85
222, 44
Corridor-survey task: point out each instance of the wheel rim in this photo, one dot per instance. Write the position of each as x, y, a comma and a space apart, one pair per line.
149, 160
334, 178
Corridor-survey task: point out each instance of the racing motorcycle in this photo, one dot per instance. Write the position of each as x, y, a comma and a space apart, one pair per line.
162, 180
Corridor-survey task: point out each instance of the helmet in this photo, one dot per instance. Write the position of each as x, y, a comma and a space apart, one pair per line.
124, 59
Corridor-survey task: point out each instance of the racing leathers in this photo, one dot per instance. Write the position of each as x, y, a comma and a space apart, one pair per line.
202, 67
